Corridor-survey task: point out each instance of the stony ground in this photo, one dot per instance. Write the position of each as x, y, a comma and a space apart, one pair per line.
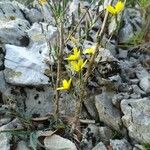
116, 112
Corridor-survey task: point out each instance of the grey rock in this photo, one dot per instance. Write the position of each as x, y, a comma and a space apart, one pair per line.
109, 114
33, 15
4, 121
122, 54
105, 55
14, 32
68, 104
109, 44
138, 147
90, 106
3, 85
105, 134
26, 66
22, 145
141, 72
117, 98
56, 142
5, 141
41, 33
9, 11
39, 102
122, 144
145, 84
136, 118
132, 24
90, 137
5, 138
100, 146
31, 102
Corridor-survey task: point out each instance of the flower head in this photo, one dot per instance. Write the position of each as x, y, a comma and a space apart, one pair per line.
66, 85
115, 9
42, 2
78, 65
74, 56
90, 50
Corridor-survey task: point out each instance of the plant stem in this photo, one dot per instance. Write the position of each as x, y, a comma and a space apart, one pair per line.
99, 37
60, 53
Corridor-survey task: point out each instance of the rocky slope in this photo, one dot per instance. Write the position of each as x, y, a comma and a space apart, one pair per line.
116, 114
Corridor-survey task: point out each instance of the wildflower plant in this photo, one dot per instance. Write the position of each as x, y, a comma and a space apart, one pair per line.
79, 67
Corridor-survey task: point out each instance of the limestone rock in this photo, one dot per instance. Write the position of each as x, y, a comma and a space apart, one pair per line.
136, 118
9, 11
132, 24
107, 112
145, 84
105, 134
14, 32
22, 145
56, 142
26, 66
5, 138
2, 82
120, 144
100, 146
39, 102
31, 102
90, 137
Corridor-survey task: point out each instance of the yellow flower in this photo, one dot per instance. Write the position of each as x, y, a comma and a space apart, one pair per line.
75, 56
66, 85
42, 2
90, 50
115, 9
78, 65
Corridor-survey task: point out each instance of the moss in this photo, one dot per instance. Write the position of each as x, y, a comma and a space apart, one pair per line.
13, 74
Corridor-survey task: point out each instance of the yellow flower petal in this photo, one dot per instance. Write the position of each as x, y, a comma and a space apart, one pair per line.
111, 9
90, 50
61, 88
78, 65
42, 2
66, 85
119, 6
84, 63
74, 56
115, 10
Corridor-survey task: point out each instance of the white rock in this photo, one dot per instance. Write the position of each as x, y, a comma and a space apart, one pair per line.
41, 33
14, 32
22, 145
9, 10
5, 141
145, 84
34, 15
120, 144
105, 134
39, 102
5, 138
136, 118
25, 66
100, 146
56, 142
73, 8
32, 102
107, 112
